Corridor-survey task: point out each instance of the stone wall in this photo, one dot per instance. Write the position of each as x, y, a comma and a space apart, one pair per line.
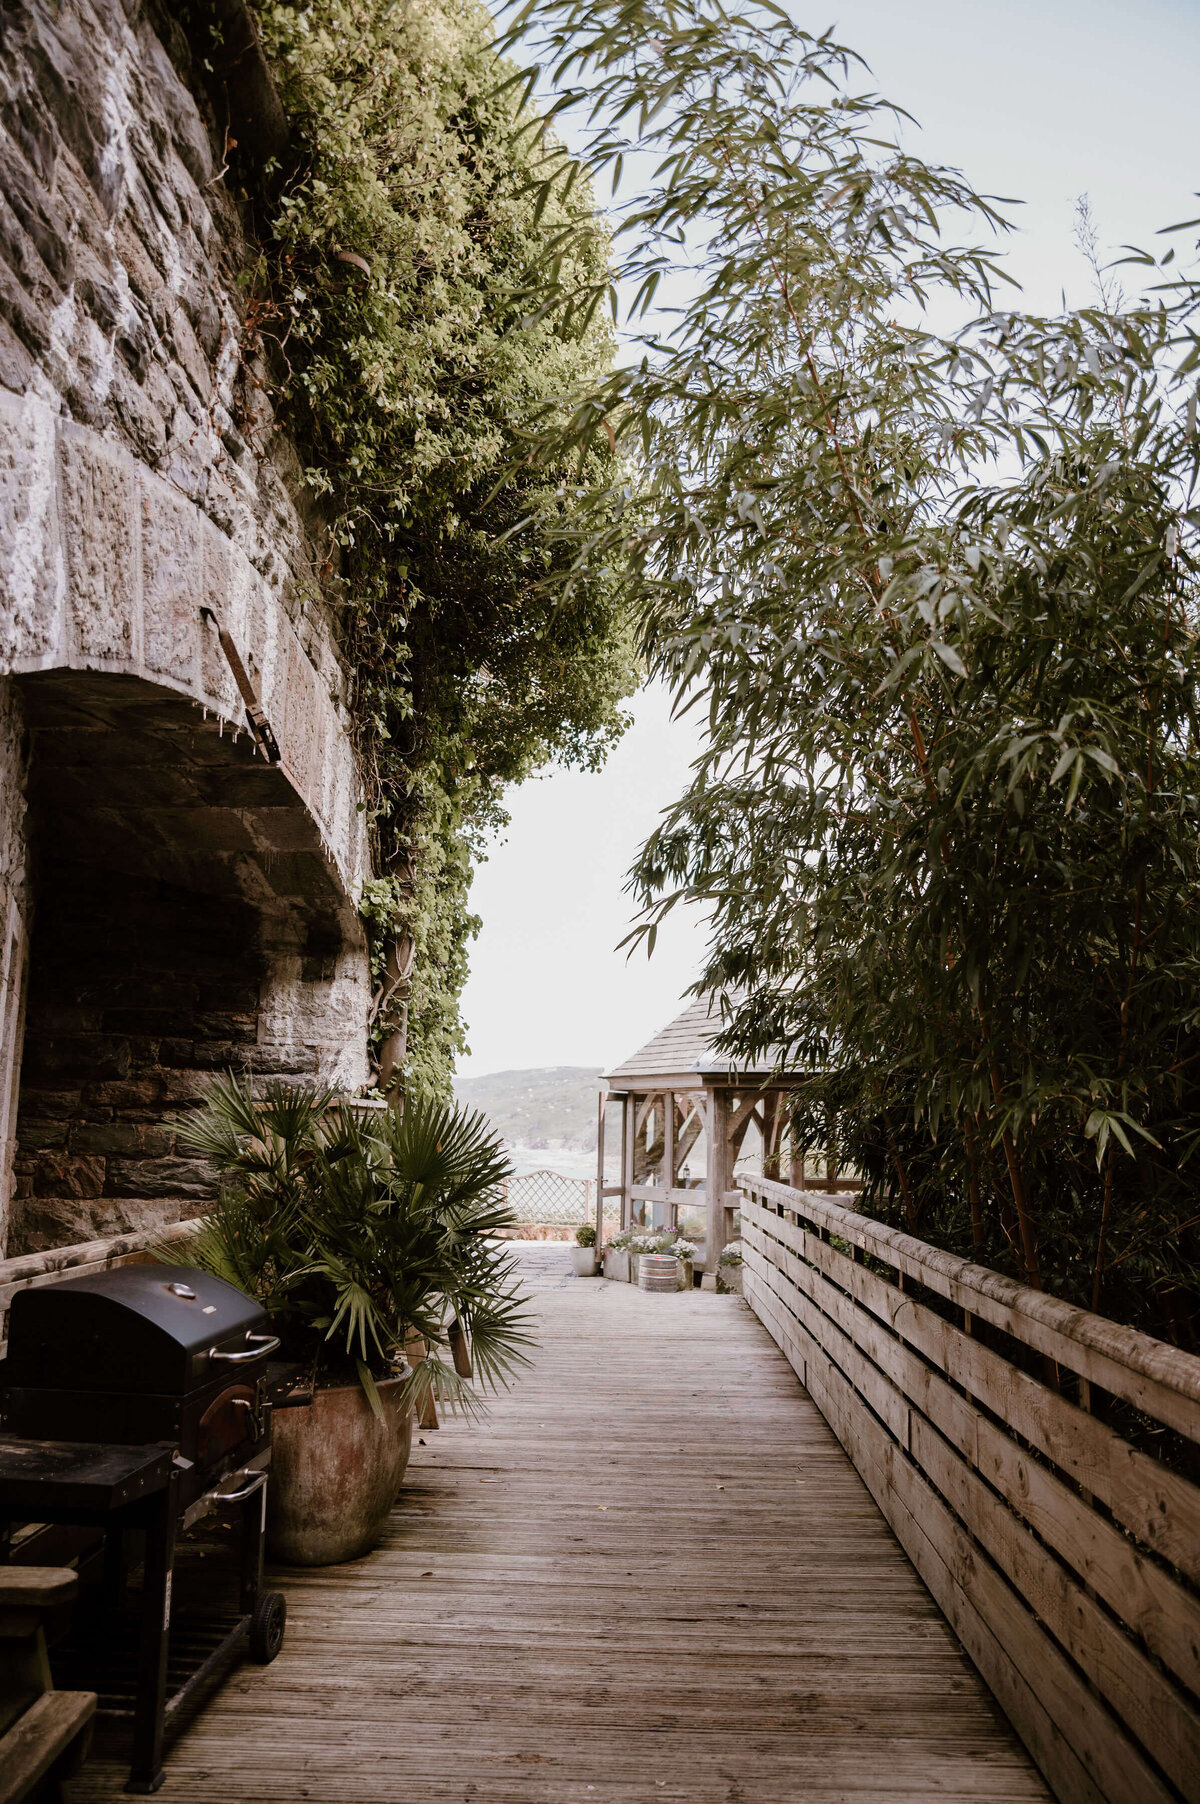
192, 848
159, 992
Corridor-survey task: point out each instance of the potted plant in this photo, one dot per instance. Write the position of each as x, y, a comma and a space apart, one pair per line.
617, 1259
358, 1237
685, 1252
583, 1253
729, 1267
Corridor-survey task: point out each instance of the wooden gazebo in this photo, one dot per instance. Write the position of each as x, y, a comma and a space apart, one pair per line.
672, 1094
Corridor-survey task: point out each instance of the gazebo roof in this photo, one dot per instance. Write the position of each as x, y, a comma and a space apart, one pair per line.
683, 1049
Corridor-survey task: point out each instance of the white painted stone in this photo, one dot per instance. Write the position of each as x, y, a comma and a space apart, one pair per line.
100, 526
31, 555
172, 584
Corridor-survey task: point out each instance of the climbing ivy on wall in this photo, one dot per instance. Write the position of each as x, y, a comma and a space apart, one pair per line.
409, 227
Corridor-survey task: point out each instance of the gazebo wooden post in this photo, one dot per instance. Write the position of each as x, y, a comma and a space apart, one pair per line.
601, 1099
628, 1138
796, 1177
669, 1158
772, 1128
717, 1175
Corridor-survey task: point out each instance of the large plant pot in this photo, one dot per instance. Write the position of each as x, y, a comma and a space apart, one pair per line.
584, 1261
616, 1265
335, 1471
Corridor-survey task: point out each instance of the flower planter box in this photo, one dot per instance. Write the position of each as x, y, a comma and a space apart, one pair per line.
729, 1278
616, 1265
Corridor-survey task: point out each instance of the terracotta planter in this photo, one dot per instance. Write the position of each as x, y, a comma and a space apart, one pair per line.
335, 1471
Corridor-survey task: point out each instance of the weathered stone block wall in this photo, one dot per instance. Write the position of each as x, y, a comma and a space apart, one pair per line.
161, 991
119, 250
149, 505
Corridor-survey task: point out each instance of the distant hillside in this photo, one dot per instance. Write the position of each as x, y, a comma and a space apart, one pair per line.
551, 1107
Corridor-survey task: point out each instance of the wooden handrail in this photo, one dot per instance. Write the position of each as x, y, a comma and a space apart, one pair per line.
1152, 1375
30, 1270
1066, 1557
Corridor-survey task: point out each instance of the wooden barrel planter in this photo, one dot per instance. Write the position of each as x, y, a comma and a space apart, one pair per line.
658, 1272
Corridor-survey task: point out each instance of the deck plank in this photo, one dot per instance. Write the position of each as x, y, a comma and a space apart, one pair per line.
651, 1574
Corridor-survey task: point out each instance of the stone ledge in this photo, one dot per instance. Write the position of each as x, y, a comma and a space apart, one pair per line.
106, 567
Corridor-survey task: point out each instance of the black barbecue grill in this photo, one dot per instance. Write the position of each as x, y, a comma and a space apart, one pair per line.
138, 1401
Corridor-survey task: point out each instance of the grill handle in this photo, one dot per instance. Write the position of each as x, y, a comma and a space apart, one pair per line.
257, 1481
263, 1344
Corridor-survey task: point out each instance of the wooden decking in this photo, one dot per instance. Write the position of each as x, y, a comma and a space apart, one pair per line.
651, 1574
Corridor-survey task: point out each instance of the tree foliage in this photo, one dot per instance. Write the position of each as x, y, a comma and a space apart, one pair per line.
928, 565
406, 230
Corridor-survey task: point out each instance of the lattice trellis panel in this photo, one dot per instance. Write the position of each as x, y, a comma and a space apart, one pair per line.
548, 1196
548, 1199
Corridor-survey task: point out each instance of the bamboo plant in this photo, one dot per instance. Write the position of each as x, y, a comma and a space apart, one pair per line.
926, 564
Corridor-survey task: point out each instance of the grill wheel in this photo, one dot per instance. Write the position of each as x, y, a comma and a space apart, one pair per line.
267, 1625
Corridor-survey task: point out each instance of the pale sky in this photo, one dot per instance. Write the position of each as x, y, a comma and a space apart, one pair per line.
1042, 100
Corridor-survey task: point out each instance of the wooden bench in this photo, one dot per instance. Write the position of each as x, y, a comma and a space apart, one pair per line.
43, 1733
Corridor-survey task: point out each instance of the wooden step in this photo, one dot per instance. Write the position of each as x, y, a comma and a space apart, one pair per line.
52, 1727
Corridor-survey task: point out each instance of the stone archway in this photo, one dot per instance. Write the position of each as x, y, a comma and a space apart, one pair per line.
185, 919
182, 841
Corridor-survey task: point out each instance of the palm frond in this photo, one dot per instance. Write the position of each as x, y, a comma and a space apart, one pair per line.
356, 1234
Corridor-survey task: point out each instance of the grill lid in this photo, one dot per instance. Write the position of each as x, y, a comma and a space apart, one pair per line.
139, 1328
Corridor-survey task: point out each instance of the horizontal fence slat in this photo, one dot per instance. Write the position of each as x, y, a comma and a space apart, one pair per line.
659, 1193
998, 1634
1141, 1593
1159, 1506
1089, 1643
1139, 1694
1160, 1379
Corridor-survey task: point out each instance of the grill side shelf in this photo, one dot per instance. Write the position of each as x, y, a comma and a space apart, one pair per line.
78, 1475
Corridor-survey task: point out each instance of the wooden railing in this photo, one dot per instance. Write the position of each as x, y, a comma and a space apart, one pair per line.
1033, 1461
30, 1270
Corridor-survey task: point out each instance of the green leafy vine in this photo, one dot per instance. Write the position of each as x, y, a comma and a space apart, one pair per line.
412, 240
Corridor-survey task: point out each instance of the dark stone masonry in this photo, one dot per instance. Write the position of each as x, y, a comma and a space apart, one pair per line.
181, 833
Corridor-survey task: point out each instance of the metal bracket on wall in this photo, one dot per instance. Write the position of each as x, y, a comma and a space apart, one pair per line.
256, 720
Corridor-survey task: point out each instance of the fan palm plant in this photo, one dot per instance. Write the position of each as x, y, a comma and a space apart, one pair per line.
358, 1236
